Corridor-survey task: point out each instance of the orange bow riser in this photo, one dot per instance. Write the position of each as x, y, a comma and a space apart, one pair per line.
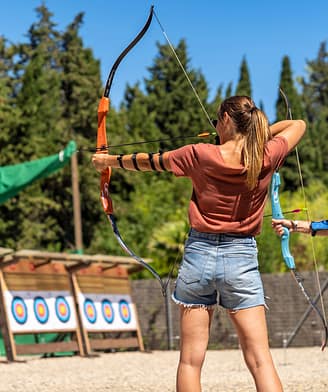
102, 147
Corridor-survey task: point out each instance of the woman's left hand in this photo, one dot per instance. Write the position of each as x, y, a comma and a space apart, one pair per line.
100, 161
278, 225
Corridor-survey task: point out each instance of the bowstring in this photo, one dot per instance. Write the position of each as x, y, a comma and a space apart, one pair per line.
184, 71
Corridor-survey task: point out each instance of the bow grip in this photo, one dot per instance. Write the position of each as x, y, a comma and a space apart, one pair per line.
105, 199
277, 214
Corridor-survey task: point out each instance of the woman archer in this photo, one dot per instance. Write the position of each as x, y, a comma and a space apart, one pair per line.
220, 265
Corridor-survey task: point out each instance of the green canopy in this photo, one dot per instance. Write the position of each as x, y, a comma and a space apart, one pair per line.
14, 178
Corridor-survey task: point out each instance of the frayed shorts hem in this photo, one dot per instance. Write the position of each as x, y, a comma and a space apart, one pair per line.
242, 307
191, 305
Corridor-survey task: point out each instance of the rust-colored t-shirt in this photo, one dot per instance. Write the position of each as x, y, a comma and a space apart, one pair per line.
221, 201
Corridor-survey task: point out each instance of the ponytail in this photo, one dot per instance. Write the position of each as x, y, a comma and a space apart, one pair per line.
253, 125
253, 151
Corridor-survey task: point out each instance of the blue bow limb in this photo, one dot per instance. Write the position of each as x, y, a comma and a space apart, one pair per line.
277, 214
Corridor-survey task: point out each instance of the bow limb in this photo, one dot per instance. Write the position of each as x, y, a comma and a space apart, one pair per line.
286, 254
102, 147
277, 214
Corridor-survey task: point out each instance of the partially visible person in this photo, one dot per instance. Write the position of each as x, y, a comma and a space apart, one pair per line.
301, 226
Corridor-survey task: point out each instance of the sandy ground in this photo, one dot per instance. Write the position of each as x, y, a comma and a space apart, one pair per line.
301, 369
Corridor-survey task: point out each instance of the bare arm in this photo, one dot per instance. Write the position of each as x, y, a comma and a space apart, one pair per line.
140, 161
301, 226
292, 130
293, 226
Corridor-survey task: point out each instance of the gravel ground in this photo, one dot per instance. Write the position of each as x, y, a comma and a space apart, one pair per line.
301, 369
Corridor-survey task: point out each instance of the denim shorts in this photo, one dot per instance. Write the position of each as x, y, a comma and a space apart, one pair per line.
219, 266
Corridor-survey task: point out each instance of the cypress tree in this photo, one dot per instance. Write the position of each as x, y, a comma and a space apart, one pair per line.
228, 92
170, 96
289, 171
244, 83
10, 220
81, 90
39, 132
315, 95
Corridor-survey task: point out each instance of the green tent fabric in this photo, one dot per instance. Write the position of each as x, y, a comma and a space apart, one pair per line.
14, 178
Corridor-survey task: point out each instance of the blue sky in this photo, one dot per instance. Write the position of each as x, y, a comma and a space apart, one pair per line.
219, 33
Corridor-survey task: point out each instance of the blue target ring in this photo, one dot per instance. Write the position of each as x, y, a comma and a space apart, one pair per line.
90, 311
107, 311
62, 309
19, 310
41, 310
125, 311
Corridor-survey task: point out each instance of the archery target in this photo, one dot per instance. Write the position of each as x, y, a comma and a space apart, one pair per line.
90, 310
19, 310
41, 310
125, 311
62, 309
107, 311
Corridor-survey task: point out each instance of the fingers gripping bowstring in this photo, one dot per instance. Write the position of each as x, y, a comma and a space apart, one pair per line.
306, 209
184, 71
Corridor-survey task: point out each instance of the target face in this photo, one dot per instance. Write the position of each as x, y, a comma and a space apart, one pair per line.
19, 310
63, 311
90, 311
41, 310
107, 311
125, 311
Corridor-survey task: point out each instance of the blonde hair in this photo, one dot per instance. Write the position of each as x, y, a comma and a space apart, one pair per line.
253, 125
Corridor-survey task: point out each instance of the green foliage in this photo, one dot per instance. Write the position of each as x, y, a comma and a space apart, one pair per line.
170, 99
50, 86
49, 90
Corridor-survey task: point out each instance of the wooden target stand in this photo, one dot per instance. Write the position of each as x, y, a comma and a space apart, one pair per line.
85, 298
